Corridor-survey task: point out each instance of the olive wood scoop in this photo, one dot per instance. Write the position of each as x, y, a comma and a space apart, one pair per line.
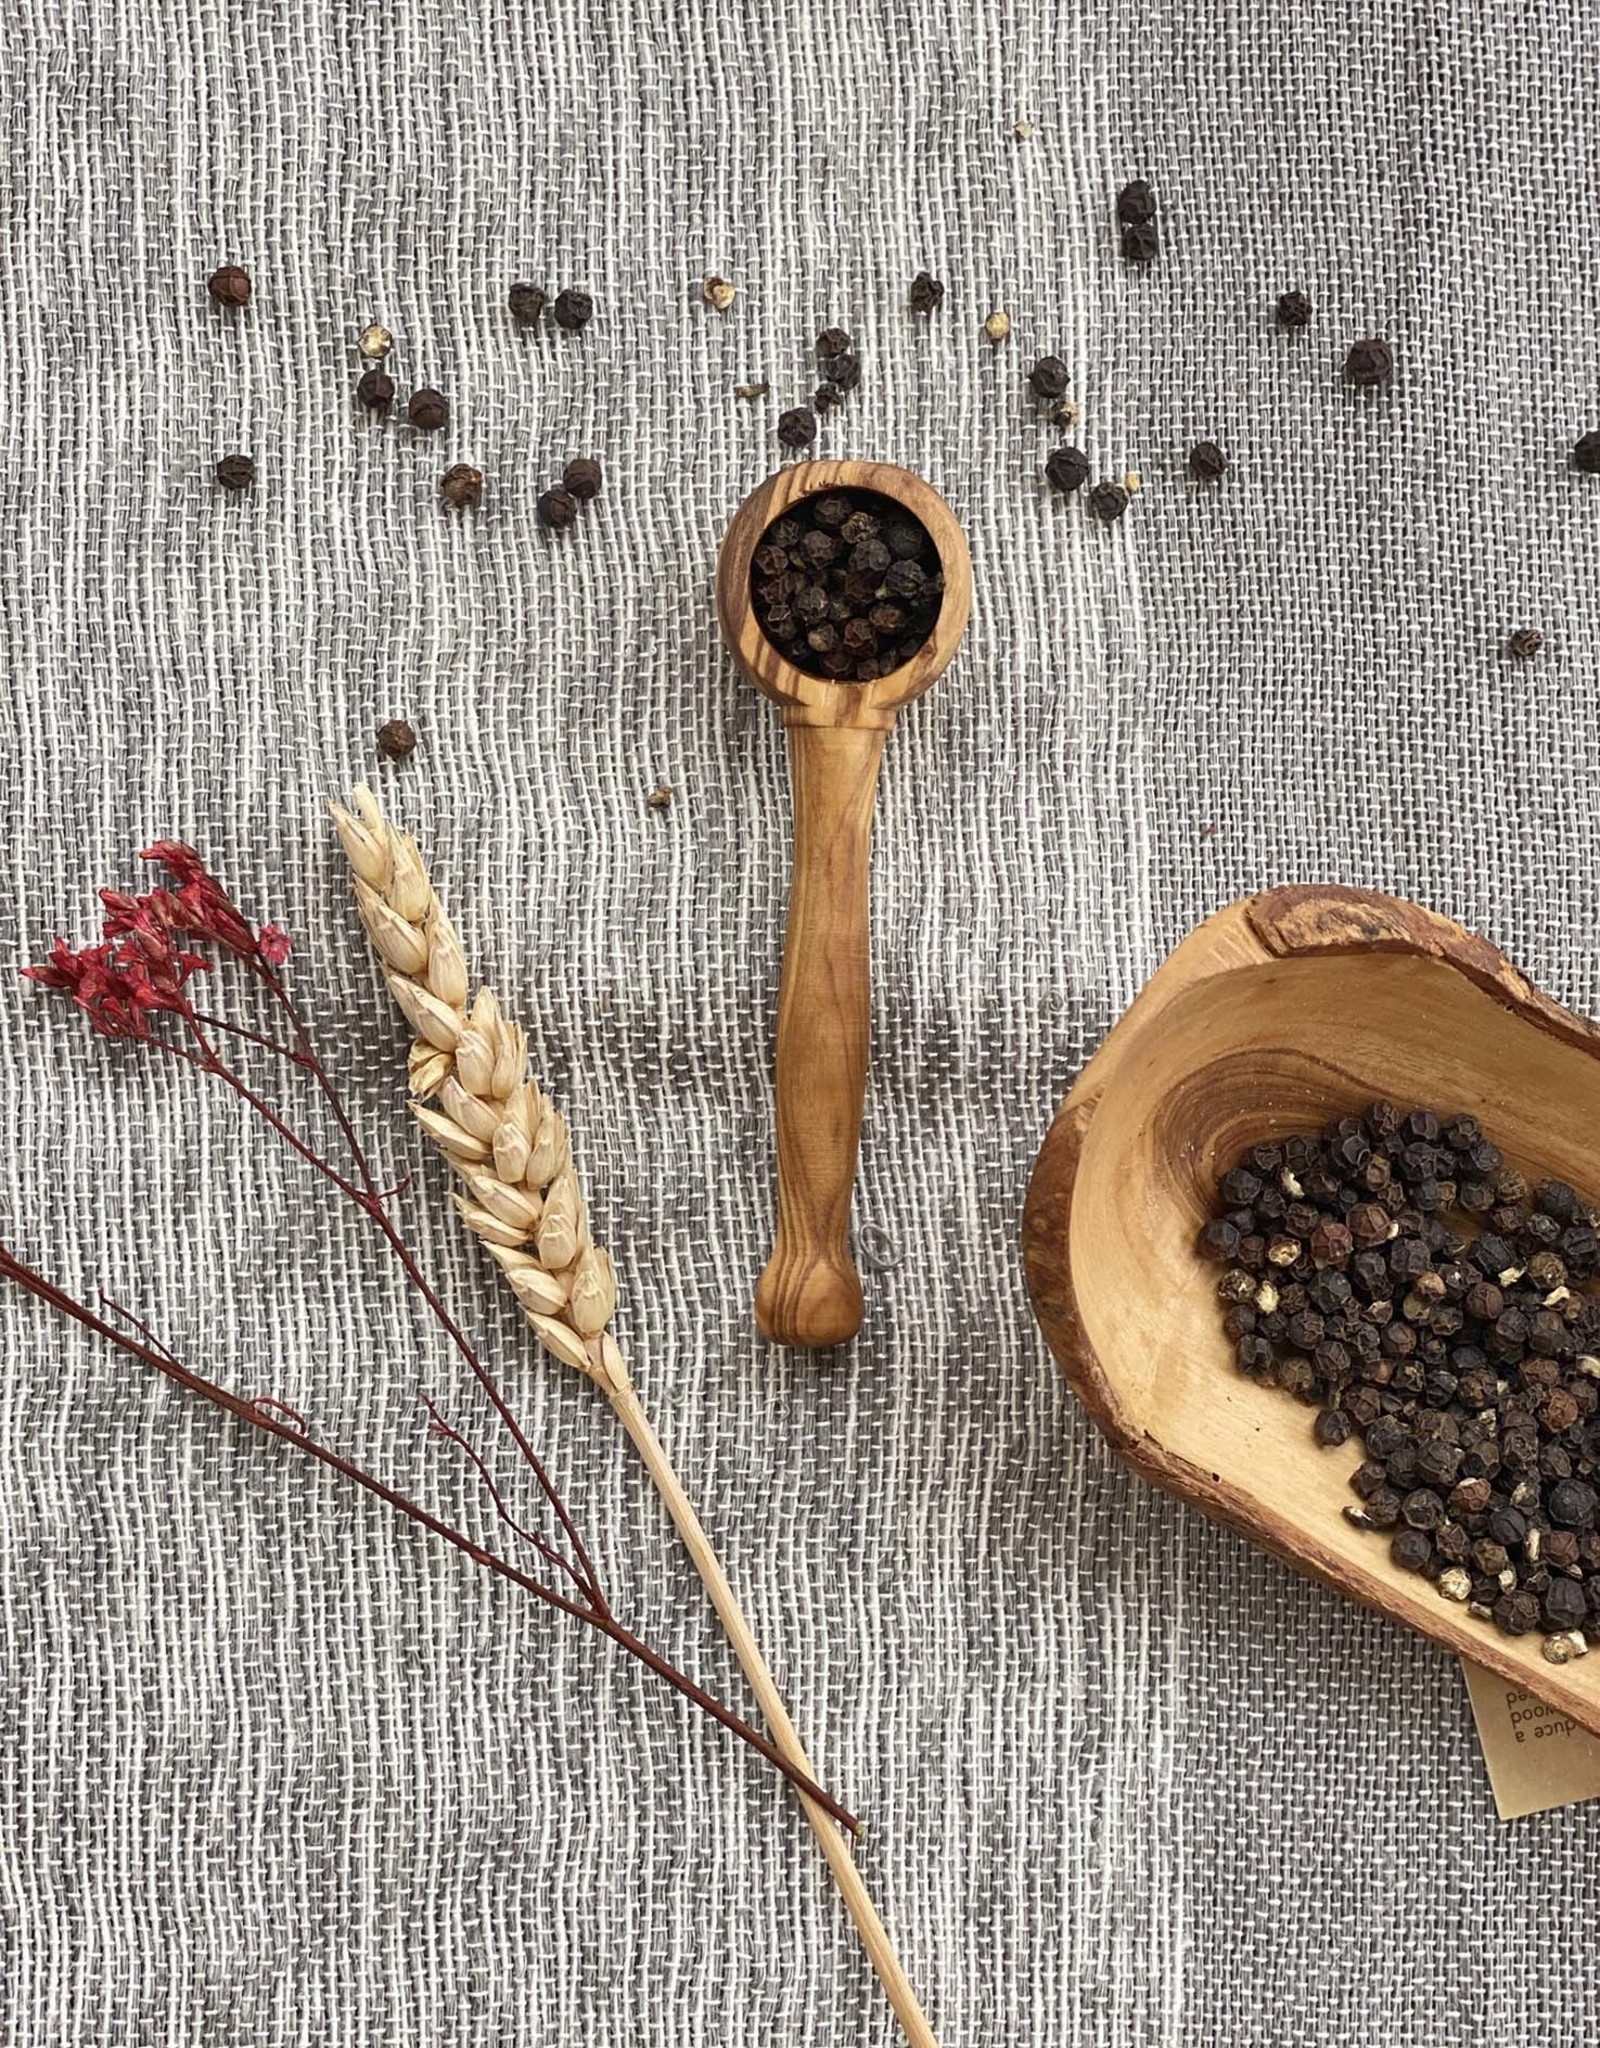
810, 1292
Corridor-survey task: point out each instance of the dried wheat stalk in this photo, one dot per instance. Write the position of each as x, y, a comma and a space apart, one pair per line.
504, 1137
509, 1145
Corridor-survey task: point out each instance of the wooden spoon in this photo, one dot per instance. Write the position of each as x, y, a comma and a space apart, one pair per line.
810, 1293
1282, 1012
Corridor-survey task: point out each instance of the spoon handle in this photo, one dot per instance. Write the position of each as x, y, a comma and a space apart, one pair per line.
810, 1293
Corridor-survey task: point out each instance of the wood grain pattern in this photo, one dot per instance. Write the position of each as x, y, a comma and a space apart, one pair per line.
1282, 1011
810, 1293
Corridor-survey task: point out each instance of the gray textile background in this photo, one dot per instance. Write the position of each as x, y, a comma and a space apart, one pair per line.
274, 1771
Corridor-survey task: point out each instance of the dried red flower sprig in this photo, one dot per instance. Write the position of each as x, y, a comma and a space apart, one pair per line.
137, 984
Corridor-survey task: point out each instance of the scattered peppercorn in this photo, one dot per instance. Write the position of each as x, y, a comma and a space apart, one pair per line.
1294, 310
997, 326
229, 286
573, 310
375, 391
582, 477
844, 370
797, 428
1136, 204
1068, 469
1141, 241
660, 798
847, 585
527, 304
556, 508
461, 485
236, 472
1525, 642
717, 292
1108, 501
375, 342
826, 397
1586, 455
927, 294
831, 342
1445, 1332
428, 410
1049, 377
396, 740
1207, 463
1370, 361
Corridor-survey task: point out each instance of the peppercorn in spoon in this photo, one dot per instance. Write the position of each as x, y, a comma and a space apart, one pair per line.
843, 589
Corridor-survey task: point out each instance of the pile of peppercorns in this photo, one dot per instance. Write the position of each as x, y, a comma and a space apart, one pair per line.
1398, 1275
847, 584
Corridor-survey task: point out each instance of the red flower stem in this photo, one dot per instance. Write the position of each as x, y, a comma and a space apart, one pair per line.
372, 1202
284, 1052
367, 1199
207, 1061
480, 1466
233, 1404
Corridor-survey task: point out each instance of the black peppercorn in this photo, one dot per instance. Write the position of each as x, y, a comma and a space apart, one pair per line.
797, 428
573, 310
1422, 1508
1049, 377
1573, 1504
229, 286
375, 391
1207, 463
1517, 1613
1565, 1604
428, 410
1136, 204
844, 370
582, 477
831, 342
1141, 241
1370, 361
927, 294
556, 508
527, 303
905, 579
1108, 501
826, 397
1525, 642
461, 485
236, 472
1586, 455
396, 740
1294, 310
1411, 1550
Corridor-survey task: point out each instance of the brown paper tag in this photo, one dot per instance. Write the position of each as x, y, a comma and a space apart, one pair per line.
1537, 1756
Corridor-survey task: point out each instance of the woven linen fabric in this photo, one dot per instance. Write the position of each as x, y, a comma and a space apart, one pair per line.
275, 1769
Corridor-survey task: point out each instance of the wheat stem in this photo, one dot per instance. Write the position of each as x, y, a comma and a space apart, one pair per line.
508, 1144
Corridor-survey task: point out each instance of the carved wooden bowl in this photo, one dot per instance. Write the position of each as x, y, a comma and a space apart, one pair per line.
1282, 1012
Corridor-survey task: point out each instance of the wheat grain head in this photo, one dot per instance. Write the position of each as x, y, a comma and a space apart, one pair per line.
474, 1098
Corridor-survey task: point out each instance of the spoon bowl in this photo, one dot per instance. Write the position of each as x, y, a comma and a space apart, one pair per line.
1283, 1012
